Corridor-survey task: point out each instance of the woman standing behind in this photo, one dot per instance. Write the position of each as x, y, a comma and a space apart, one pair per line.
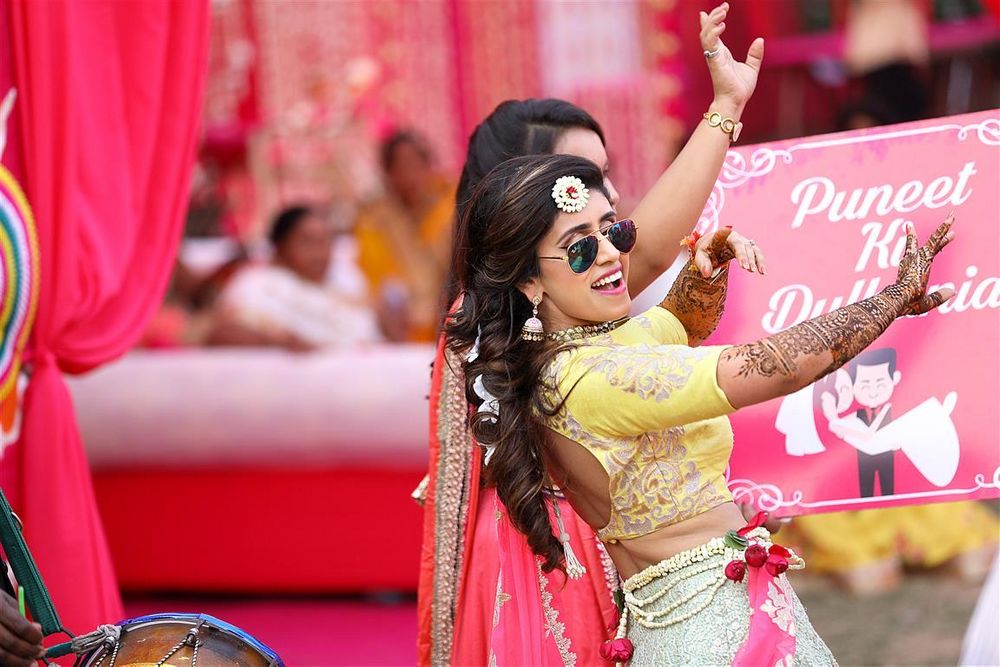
629, 420
460, 559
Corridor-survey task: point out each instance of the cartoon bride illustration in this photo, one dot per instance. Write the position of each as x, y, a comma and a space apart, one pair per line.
926, 434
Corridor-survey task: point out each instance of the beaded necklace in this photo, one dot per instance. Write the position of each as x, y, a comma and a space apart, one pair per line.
585, 330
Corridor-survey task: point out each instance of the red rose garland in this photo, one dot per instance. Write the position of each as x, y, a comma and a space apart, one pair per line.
775, 560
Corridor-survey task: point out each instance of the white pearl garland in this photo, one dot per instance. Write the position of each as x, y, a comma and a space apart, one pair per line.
715, 585
717, 546
644, 602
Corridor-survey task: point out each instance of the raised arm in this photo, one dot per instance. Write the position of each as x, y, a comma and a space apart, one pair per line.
670, 210
787, 361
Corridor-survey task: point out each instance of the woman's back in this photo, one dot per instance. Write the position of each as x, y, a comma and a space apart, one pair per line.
640, 445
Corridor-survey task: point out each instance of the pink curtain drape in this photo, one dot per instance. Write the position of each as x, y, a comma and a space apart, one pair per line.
109, 101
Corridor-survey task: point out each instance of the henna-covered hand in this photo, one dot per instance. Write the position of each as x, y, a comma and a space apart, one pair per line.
787, 361
713, 250
698, 296
915, 268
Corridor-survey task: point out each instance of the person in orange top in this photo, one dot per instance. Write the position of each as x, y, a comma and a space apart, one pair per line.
404, 239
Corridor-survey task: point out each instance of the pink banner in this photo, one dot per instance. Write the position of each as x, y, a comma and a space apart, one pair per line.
915, 418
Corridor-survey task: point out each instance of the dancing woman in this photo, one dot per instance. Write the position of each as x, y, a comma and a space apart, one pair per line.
629, 420
461, 555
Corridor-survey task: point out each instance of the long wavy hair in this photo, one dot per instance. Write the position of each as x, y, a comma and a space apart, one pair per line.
515, 128
508, 215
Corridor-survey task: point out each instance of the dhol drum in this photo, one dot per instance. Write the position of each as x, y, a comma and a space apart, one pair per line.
176, 640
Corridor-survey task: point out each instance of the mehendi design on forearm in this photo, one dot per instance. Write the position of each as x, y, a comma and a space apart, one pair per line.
847, 331
697, 301
844, 333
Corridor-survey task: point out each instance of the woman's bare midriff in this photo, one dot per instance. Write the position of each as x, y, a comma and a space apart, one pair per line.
634, 555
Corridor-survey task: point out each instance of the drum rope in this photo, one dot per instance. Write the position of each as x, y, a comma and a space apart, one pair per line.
104, 636
114, 653
112, 637
191, 639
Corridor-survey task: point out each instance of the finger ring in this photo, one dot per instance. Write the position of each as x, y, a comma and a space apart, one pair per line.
751, 242
712, 54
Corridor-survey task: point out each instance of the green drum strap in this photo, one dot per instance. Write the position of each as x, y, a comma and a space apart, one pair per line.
107, 636
35, 593
59, 650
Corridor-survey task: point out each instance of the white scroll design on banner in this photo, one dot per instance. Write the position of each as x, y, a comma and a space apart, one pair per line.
988, 131
736, 171
770, 498
765, 497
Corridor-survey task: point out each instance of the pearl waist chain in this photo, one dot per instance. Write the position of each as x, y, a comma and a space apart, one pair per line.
685, 565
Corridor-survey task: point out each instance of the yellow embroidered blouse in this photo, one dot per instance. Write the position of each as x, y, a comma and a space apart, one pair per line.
650, 409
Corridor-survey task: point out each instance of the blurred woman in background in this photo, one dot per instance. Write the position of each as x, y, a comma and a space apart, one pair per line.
288, 302
404, 239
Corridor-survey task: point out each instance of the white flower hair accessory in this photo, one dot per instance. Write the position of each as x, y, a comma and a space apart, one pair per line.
571, 194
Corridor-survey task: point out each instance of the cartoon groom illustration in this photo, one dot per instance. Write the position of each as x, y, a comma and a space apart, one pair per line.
874, 377
925, 433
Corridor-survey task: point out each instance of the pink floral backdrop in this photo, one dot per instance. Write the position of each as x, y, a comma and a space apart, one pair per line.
313, 86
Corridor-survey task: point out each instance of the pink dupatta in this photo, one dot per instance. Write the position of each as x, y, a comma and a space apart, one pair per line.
512, 613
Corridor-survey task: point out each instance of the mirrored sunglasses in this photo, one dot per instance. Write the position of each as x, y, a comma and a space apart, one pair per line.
582, 253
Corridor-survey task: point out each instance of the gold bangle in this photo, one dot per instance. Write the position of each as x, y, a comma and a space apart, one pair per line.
731, 127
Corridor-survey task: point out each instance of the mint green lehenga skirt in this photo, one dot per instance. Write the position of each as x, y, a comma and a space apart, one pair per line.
700, 617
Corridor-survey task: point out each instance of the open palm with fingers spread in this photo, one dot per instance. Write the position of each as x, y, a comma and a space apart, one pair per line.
732, 80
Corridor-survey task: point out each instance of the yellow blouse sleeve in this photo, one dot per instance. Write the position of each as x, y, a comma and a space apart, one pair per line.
629, 390
666, 328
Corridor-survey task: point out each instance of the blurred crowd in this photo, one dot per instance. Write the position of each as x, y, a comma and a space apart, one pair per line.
328, 275
319, 283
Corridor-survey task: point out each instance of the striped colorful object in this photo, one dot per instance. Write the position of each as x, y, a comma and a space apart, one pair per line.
19, 266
